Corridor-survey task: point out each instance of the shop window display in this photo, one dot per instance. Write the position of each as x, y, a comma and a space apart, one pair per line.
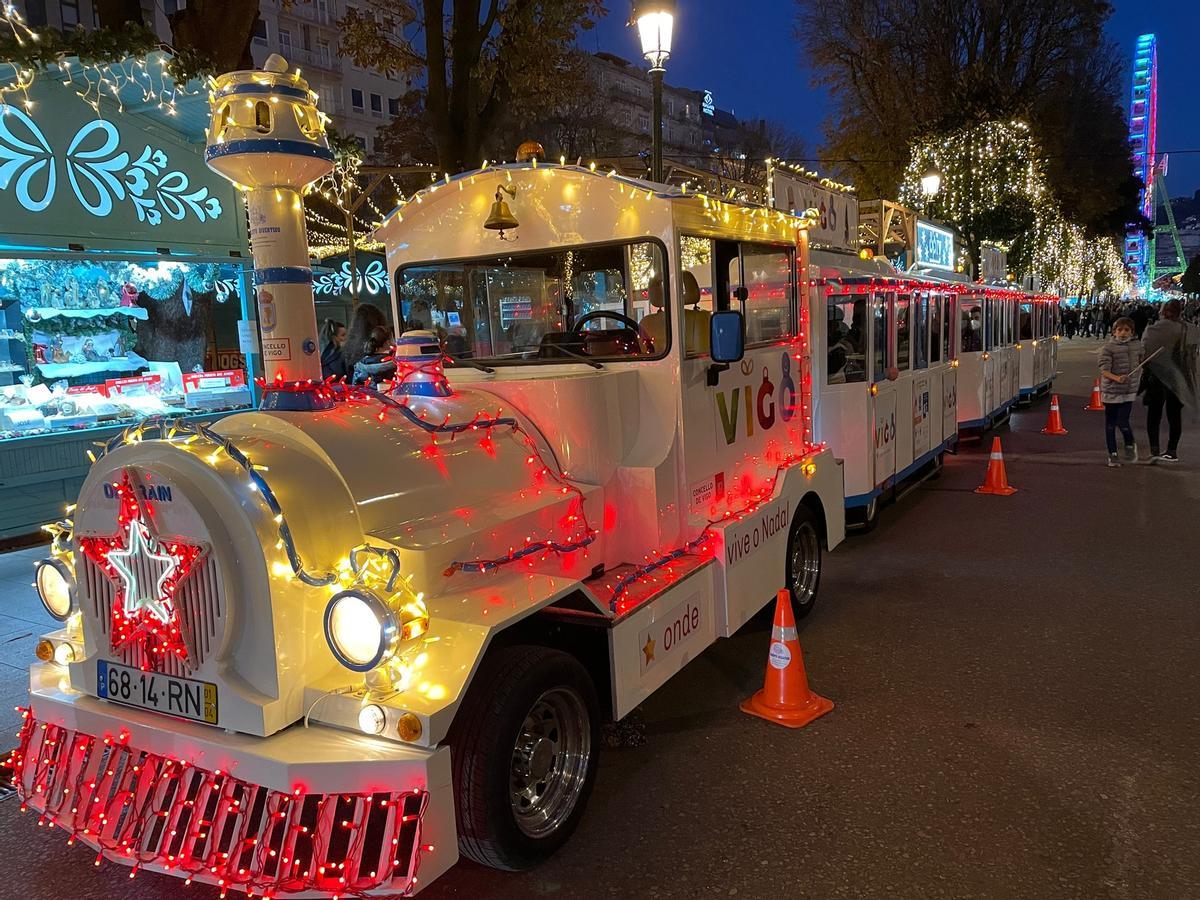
89, 342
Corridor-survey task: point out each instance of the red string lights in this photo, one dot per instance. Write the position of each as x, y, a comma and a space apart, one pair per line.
145, 809
147, 572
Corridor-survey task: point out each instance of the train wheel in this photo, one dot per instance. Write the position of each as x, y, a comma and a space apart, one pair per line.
865, 517
804, 562
523, 749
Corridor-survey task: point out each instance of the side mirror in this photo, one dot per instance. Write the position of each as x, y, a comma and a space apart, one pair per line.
726, 342
727, 336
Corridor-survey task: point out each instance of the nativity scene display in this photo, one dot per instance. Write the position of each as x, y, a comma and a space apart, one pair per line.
85, 343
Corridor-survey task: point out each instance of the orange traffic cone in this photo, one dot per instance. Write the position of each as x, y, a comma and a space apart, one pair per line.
996, 481
1095, 404
1054, 420
785, 697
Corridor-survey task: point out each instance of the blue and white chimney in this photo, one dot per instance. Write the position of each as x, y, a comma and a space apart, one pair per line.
419, 369
267, 136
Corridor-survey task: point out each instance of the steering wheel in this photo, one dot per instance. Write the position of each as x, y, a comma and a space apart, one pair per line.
634, 337
577, 328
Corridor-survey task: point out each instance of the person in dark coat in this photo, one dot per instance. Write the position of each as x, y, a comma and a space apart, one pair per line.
367, 317
377, 364
1170, 382
333, 342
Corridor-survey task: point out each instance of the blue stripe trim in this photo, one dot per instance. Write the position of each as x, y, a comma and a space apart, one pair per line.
864, 499
283, 275
268, 145
263, 89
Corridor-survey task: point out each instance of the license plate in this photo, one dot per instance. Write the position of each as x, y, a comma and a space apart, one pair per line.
183, 697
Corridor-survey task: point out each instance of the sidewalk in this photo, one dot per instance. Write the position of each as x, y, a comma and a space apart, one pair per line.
22, 620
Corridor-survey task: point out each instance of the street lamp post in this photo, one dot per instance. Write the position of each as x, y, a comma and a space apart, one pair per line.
654, 20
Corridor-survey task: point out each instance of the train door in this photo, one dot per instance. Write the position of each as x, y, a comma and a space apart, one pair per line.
924, 380
991, 344
1013, 388
944, 336
883, 386
737, 431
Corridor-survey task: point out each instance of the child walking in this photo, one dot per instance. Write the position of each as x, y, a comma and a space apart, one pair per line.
1118, 386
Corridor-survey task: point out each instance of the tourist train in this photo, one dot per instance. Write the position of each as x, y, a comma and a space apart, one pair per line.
323, 648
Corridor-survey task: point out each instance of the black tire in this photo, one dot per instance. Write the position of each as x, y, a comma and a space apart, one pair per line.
502, 698
803, 576
866, 520
939, 465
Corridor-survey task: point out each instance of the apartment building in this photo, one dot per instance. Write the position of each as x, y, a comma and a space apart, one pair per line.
305, 33
626, 92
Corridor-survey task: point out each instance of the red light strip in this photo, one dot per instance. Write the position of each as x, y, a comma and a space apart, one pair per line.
142, 809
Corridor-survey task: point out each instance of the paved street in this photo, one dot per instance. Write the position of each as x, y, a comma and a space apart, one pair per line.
1018, 711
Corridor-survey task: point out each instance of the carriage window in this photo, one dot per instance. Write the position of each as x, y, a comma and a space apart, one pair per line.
993, 338
847, 338
936, 305
921, 339
606, 302
971, 326
881, 355
903, 334
1026, 330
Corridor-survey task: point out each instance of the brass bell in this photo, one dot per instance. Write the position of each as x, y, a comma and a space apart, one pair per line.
501, 218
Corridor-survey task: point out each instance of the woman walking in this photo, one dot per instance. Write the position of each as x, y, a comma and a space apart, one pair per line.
1170, 384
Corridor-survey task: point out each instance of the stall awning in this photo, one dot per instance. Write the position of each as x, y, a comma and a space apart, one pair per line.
112, 159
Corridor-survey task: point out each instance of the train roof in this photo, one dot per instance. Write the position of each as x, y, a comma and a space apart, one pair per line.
564, 205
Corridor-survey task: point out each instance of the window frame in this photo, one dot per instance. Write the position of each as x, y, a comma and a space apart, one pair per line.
894, 329
358, 105
883, 299
793, 313
606, 360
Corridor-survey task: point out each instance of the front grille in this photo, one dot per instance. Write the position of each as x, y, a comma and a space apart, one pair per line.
201, 615
143, 809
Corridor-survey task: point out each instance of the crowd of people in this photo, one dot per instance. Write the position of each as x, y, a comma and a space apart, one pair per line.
1096, 320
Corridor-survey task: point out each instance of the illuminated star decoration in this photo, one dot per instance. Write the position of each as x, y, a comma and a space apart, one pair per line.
146, 571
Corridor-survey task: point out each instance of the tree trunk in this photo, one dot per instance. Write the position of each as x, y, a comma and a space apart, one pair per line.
219, 29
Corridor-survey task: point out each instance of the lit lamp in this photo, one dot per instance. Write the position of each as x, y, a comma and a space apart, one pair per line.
931, 183
655, 20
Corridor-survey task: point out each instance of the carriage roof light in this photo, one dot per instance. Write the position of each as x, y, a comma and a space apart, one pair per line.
55, 583
360, 628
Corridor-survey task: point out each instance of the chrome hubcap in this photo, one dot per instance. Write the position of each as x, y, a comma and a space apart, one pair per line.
550, 762
805, 563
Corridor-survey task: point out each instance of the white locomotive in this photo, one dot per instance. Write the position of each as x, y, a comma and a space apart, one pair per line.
318, 649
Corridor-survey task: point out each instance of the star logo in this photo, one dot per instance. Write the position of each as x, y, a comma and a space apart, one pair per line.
146, 570
648, 650
139, 566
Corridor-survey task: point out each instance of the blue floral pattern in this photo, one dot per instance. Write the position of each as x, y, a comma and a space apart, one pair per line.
99, 172
371, 280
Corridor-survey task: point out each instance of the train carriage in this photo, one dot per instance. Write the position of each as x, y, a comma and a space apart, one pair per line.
887, 396
1038, 333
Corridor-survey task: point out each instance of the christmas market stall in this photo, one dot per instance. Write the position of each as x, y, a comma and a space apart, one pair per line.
123, 272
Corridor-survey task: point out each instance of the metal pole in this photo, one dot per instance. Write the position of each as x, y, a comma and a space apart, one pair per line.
656, 155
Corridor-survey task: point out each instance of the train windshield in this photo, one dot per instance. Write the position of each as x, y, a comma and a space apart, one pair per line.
595, 302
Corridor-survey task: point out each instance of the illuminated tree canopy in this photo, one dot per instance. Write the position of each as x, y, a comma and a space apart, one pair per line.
994, 188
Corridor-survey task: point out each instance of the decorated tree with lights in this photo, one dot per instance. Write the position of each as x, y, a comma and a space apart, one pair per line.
993, 187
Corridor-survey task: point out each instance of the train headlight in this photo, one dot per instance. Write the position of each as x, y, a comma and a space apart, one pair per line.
360, 628
372, 719
55, 585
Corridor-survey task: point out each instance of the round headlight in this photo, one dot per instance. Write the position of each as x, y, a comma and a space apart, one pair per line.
372, 719
360, 629
56, 587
